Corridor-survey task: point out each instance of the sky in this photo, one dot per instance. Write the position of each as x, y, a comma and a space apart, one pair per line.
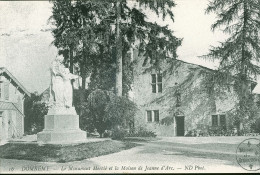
27, 52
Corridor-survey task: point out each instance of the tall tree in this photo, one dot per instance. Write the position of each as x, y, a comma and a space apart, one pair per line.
119, 61
103, 32
240, 52
155, 42
65, 33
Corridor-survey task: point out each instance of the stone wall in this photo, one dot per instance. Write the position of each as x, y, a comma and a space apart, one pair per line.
197, 105
11, 113
15, 96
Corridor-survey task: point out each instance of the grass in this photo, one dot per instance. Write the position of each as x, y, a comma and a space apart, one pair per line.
62, 153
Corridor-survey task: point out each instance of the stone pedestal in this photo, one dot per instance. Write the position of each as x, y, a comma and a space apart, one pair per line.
61, 128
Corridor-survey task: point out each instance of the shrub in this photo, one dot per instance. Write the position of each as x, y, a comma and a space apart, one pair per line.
118, 134
107, 133
142, 132
256, 126
189, 134
104, 110
120, 110
195, 133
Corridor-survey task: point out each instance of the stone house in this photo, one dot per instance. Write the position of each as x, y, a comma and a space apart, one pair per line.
12, 95
172, 99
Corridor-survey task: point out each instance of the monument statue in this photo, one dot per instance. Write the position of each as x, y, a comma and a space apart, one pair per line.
61, 124
68, 91
61, 93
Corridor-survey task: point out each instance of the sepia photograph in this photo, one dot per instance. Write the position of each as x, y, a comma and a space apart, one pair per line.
129, 86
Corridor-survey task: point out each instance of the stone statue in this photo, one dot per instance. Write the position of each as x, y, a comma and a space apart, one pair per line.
68, 91
61, 93
61, 124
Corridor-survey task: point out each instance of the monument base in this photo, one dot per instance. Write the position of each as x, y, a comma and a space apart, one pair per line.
61, 129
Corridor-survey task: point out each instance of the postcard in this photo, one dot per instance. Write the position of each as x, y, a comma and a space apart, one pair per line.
129, 86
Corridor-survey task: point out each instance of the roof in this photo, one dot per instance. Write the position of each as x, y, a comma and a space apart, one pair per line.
15, 82
6, 106
254, 83
203, 67
9, 106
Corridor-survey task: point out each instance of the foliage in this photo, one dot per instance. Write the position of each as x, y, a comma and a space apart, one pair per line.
245, 113
239, 53
119, 110
169, 120
95, 113
87, 28
104, 111
141, 132
256, 126
34, 111
79, 101
118, 134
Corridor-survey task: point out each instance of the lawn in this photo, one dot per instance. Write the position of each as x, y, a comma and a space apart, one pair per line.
62, 153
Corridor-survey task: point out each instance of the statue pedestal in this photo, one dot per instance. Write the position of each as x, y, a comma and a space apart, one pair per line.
61, 128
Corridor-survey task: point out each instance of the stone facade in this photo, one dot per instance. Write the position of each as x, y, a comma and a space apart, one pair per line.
12, 95
156, 92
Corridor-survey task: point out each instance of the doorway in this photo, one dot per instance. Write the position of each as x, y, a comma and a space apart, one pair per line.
179, 125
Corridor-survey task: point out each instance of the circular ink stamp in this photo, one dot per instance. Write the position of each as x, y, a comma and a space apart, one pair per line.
248, 154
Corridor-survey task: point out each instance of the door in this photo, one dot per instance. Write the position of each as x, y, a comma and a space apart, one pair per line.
179, 125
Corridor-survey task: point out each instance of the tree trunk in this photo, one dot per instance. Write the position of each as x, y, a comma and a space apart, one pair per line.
71, 67
71, 59
83, 75
85, 56
243, 64
83, 81
119, 63
83, 71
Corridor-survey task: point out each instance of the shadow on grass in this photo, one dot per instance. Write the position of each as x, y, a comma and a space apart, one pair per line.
62, 153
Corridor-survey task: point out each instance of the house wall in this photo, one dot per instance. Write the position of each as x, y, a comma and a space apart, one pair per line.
13, 119
197, 105
15, 96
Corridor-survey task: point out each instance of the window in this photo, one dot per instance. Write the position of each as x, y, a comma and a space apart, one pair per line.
149, 116
214, 120
222, 120
156, 83
156, 116
153, 116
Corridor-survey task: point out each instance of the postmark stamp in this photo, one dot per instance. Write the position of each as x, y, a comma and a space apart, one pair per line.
248, 154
